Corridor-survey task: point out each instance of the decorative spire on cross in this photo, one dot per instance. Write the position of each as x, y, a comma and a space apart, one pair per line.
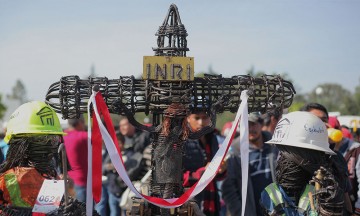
173, 33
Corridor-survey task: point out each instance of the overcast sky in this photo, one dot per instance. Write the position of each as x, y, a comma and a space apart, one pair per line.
314, 41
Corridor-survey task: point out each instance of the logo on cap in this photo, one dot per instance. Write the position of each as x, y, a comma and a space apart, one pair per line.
281, 131
46, 116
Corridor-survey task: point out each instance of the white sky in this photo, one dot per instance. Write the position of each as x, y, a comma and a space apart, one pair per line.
314, 42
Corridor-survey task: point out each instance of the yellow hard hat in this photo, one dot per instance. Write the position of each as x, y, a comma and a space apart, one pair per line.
335, 135
34, 117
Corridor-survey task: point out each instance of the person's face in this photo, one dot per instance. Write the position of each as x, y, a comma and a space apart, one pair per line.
198, 121
254, 131
321, 115
274, 121
126, 129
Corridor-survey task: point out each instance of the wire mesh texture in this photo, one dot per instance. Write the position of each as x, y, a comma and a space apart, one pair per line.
70, 95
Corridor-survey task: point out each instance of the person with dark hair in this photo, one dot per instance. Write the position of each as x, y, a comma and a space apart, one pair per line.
346, 132
134, 139
319, 110
271, 118
305, 157
262, 158
351, 151
76, 150
197, 154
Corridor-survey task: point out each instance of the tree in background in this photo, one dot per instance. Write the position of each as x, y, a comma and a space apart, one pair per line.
18, 92
357, 98
298, 102
2, 108
210, 71
92, 71
335, 98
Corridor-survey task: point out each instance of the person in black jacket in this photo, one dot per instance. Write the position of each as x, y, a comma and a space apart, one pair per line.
132, 145
197, 154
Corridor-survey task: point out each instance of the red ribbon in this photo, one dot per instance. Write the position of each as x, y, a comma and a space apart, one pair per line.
96, 140
96, 136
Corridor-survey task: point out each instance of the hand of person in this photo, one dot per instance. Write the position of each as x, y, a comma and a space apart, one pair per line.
356, 212
109, 166
222, 167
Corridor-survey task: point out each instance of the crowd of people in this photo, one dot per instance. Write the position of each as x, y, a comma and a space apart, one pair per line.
297, 165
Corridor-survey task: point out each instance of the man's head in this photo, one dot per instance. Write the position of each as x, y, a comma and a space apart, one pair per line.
318, 110
198, 120
126, 129
271, 118
77, 124
255, 126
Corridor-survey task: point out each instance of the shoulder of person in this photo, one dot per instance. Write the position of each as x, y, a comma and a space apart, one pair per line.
145, 135
353, 144
266, 136
216, 132
190, 142
235, 147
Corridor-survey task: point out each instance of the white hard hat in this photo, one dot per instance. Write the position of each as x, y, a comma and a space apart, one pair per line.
303, 130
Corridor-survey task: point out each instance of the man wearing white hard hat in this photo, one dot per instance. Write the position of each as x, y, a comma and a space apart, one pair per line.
321, 112
302, 140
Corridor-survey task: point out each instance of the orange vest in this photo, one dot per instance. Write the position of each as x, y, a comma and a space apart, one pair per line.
20, 186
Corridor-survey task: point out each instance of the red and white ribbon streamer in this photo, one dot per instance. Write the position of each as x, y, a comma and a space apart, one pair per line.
116, 159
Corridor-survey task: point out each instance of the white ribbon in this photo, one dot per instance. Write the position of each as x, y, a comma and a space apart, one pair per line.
244, 149
89, 195
205, 179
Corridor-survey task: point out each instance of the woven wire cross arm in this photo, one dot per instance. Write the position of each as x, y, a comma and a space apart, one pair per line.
69, 96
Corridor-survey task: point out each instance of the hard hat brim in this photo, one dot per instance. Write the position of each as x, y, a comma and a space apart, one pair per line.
8, 137
303, 145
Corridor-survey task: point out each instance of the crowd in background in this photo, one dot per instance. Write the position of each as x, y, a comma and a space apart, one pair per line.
223, 195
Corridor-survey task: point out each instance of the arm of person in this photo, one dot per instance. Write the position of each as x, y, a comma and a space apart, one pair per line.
231, 187
221, 174
134, 166
357, 175
107, 165
190, 178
